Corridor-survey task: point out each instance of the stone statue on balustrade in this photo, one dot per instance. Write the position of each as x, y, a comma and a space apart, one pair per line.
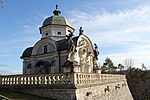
96, 52
71, 46
45, 66
70, 65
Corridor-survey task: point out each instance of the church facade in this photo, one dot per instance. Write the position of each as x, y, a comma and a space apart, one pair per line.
59, 50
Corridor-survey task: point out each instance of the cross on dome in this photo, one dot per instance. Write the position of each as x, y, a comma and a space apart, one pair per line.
56, 11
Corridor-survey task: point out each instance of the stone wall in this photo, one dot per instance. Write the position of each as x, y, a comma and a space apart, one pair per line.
70, 86
58, 94
110, 91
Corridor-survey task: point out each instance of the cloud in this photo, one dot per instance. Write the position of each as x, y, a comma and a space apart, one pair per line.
118, 25
127, 29
10, 72
3, 65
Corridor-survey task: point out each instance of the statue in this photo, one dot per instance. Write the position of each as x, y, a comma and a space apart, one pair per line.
45, 66
70, 64
80, 31
96, 51
71, 44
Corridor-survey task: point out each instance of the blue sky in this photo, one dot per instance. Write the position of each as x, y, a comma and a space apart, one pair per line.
121, 28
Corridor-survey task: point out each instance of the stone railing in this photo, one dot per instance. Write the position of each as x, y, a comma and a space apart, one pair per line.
98, 78
62, 78
35, 79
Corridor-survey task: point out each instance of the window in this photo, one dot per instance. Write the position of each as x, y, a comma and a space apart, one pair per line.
46, 34
59, 33
29, 66
45, 49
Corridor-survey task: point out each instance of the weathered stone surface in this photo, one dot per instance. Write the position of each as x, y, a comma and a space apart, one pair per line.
99, 92
109, 91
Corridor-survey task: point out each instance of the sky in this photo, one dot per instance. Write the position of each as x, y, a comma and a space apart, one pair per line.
120, 28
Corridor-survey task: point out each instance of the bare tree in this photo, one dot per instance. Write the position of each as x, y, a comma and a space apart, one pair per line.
128, 62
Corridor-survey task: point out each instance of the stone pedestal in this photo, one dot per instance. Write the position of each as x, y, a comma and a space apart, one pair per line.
98, 71
70, 66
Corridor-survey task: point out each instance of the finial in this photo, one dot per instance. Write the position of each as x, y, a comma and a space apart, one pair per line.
80, 31
56, 11
56, 6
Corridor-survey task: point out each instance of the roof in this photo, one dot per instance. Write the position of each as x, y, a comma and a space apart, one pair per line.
27, 52
61, 45
56, 20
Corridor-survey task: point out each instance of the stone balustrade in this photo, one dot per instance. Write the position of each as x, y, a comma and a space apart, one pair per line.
35, 79
98, 78
62, 78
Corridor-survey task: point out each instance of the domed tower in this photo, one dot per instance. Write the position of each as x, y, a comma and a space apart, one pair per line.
56, 26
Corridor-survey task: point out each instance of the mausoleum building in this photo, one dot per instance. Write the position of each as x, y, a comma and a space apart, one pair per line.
59, 50
62, 66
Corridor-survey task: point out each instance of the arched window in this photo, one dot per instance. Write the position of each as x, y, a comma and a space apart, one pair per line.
45, 49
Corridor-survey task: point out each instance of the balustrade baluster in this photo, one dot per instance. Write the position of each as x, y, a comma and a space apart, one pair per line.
49, 79
6, 80
45, 79
62, 78
39, 79
42, 77
58, 79
11, 80
54, 79
14, 80
32, 80
35, 80
27, 80
19, 80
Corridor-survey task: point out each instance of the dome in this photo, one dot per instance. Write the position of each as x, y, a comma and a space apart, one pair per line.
56, 20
